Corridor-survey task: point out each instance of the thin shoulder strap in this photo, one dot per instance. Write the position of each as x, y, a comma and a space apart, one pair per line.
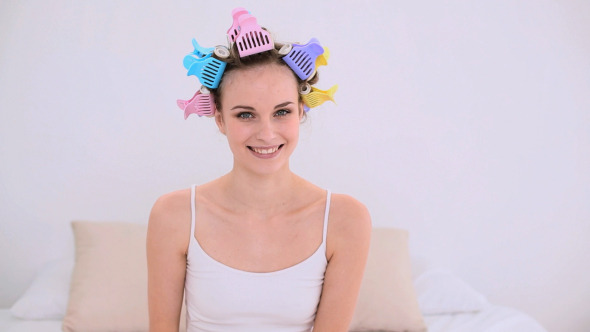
326, 213
193, 211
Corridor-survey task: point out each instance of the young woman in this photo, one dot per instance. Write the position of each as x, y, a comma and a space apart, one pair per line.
260, 248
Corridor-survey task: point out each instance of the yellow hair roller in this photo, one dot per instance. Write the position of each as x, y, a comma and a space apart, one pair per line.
313, 97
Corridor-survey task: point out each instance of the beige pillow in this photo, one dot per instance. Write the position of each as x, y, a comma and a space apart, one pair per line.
108, 291
387, 300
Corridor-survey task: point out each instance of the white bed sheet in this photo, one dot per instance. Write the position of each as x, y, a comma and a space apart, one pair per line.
492, 319
8, 323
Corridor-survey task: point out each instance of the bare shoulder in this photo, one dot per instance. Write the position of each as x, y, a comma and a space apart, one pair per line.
170, 217
348, 212
349, 236
350, 221
167, 243
171, 205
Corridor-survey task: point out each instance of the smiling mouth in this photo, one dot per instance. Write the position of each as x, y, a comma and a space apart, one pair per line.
265, 150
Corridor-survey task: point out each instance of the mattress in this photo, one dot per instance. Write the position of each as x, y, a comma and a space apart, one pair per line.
8, 323
491, 319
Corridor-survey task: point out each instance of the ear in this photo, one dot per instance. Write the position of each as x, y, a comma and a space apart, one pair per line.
219, 121
301, 111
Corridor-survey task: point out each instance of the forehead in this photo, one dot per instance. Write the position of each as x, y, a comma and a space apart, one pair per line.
269, 83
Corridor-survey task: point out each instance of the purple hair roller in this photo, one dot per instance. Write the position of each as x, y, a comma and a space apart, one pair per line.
302, 58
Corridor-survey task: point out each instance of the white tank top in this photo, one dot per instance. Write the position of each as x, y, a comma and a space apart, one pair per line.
220, 298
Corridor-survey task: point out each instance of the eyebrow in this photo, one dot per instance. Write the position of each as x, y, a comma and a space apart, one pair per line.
284, 104
250, 108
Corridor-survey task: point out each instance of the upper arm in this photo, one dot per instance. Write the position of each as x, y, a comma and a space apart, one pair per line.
349, 233
166, 245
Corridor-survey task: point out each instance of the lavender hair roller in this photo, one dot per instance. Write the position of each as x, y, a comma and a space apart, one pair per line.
302, 58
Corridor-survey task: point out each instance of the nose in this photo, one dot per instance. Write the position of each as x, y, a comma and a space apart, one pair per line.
266, 130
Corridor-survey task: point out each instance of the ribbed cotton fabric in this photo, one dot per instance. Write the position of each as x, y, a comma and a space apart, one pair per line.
220, 298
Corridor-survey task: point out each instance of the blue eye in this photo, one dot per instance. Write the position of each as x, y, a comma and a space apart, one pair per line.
245, 115
282, 112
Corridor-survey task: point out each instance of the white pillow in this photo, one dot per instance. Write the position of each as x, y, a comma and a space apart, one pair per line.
440, 292
47, 297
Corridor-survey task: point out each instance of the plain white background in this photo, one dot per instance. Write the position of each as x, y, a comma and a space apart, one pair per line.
467, 123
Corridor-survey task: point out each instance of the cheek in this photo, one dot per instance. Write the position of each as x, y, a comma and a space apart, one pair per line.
291, 129
238, 133
234, 133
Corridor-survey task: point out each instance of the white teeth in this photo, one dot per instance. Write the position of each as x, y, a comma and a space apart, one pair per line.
265, 151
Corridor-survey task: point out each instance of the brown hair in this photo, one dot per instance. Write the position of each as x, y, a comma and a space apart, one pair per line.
235, 62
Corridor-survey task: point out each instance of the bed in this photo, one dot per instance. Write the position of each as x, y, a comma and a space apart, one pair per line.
491, 319
61, 298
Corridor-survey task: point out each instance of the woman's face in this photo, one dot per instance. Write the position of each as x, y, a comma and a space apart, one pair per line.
260, 116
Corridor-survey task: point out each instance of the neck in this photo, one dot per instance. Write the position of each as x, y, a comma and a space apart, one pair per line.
260, 193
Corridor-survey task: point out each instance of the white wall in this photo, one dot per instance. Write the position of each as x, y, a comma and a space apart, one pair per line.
466, 123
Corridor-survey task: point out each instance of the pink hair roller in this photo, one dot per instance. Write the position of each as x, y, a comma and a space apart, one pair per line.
201, 104
234, 30
252, 38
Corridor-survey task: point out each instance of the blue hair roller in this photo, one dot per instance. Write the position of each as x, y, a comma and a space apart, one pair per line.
200, 51
202, 64
208, 70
